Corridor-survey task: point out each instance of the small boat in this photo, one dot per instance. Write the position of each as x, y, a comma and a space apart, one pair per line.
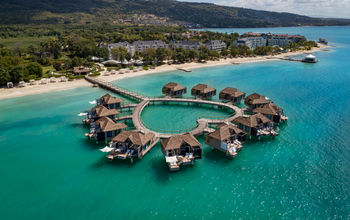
309, 59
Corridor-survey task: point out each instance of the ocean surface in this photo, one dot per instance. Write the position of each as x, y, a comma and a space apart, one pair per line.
49, 170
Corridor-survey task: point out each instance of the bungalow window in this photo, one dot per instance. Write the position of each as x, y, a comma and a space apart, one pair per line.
111, 106
246, 128
109, 134
240, 126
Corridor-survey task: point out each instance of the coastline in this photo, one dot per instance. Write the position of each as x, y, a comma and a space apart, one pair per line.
58, 86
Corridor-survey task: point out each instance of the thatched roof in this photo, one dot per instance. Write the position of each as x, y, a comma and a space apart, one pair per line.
136, 137
106, 124
255, 99
173, 87
269, 109
233, 92
225, 131
253, 120
108, 99
175, 142
202, 88
81, 69
102, 111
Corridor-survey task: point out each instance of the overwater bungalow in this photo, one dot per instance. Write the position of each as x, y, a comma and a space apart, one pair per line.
231, 95
181, 150
174, 90
98, 112
227, 138
255, 100
256, 125
131, 144
272, 112
203, 91
109, 101
105, 129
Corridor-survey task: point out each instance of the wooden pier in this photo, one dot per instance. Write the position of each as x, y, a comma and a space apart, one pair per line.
113, 88
202, 122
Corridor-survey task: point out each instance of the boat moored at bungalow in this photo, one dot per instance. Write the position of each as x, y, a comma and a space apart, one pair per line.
131, 144
105, 129
181, 150
231, 95
203, 91
227, 138
174, 90
255, 100
100, 111
109, 101
272, 112
256, 125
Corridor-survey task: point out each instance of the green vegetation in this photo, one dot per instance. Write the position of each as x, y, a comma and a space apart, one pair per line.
109, 11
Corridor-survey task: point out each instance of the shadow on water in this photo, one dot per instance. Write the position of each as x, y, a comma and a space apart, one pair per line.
114, 163
216, 156
162, 172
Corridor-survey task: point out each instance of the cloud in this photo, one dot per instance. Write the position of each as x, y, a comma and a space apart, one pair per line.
315, 8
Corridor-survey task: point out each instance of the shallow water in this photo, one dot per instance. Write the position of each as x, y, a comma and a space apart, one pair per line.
49, 170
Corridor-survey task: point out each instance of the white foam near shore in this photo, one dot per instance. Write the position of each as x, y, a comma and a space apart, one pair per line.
52, 87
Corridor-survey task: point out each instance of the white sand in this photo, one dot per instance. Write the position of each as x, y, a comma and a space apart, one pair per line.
51, 87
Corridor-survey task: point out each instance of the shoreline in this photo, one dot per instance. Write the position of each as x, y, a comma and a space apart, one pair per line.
59, 86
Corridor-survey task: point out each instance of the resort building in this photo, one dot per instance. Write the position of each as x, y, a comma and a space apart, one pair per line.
131, 144
144, 45
139, 46
174, 90
251, 42
81, 70
181, 150
105, 129
282, 40
228, 138
217, 45
255, 100
231, 95
272, 112
203, 91
188, 45
109, 101
256, 125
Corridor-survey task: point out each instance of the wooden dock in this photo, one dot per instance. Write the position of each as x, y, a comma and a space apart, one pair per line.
113, 88
184, 70
202, 122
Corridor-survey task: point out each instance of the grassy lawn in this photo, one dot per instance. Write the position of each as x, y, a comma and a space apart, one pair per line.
22, 42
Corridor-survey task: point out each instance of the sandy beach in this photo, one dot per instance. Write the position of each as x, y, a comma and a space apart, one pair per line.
51, 87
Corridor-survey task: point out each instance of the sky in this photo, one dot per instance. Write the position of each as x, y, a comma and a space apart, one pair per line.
314, 8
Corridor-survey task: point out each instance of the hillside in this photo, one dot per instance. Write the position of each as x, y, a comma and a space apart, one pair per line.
109, 11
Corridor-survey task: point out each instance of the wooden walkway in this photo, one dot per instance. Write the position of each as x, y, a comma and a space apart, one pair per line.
111, 87
202, 122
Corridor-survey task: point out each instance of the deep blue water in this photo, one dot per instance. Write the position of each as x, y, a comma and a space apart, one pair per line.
49, 170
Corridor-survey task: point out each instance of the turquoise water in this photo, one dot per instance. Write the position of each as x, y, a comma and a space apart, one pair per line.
50, 171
